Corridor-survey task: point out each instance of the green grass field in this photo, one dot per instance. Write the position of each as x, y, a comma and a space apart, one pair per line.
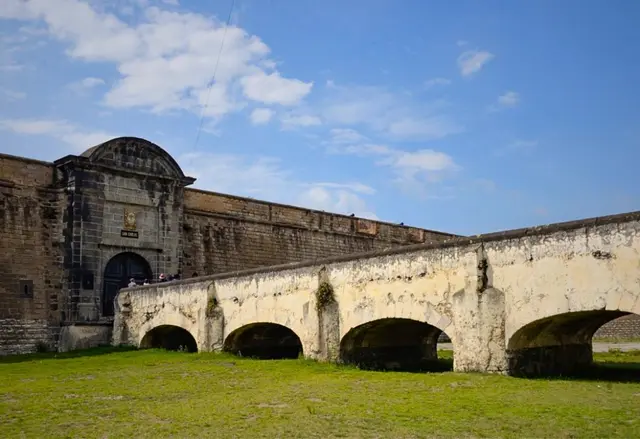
157, 394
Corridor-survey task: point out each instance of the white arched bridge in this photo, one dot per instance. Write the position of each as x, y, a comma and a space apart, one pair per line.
522, 302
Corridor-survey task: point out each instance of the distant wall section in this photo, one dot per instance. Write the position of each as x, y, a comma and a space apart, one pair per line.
31, 255
224, 233
626, 327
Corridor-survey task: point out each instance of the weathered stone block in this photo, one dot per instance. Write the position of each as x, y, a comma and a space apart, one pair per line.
74, 337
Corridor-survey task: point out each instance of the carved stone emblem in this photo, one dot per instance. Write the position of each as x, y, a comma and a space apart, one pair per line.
129, 219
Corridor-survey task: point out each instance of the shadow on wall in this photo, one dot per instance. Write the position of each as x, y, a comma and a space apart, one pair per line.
265, 341
561, 346
171, 338
394, 344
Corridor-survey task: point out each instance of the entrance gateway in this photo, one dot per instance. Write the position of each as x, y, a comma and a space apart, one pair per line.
117, 273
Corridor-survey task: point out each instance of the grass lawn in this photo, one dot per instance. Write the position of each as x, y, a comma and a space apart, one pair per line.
156, 394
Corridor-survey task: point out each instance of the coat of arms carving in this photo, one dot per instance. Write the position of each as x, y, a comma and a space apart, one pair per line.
129, 219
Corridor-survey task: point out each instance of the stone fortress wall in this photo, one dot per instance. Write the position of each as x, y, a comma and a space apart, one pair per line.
31, 259
67, 240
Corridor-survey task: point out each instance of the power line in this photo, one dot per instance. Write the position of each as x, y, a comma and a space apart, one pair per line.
215, 70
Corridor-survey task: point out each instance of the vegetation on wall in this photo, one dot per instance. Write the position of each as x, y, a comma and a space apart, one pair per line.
324, 296
213, 308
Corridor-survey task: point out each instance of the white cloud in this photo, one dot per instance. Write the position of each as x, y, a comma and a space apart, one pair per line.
509, 99
237, 174
433, 82
274, 89
265, 178
339, 201
12, 95
359, 105
11, 67
365, 149
415, 167
428, 128
304, 120
472, 61
424, 159
167, 58
355, 187
393, 115
91, 82
86, 84
171, 2
261, 116
62, 130
517, 146
346, 135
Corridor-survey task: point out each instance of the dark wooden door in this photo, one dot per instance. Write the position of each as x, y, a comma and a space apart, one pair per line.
119, 270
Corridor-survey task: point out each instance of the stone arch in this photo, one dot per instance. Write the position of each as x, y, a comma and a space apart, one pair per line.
167, 314
169, 337
559, 344
136, 154
392, 344
117, 272
264, 340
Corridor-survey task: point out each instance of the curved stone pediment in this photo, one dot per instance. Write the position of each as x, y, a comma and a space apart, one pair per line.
135, 154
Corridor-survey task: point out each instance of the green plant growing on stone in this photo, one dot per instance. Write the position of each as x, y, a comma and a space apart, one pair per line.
324, 296
213, 308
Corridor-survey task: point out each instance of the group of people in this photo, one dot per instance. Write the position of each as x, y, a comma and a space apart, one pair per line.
161, 278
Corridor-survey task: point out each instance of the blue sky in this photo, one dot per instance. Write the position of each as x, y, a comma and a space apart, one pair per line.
465, 116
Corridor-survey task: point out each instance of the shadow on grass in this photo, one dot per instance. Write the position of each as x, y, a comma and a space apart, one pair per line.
437, 366
611, 371
102, 350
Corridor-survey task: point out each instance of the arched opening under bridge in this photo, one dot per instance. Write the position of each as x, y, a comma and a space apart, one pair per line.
169, 337
266, 341
561, 345
394, 344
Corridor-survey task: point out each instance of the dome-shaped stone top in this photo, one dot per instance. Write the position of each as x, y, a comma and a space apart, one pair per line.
136, 154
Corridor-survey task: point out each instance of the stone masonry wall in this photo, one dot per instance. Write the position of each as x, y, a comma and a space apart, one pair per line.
31, 256
25, 336
621, 328
226, 233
